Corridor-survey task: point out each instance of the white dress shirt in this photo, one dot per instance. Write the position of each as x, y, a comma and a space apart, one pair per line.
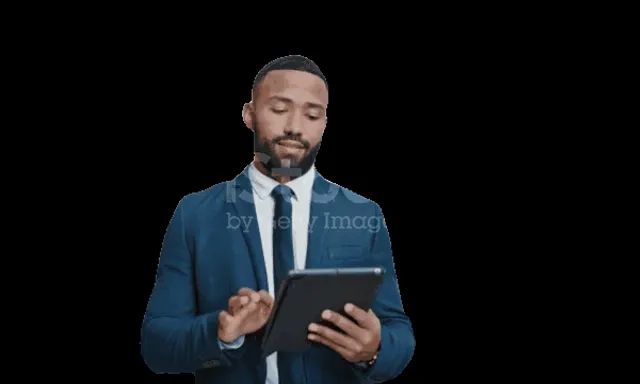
264, 204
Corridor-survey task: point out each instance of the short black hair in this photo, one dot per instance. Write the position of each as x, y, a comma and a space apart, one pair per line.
292, 62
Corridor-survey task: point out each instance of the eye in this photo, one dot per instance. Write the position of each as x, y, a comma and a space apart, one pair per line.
278, 111
312, 117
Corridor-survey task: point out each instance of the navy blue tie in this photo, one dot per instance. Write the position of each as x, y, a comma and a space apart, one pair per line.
288, 363
282, 235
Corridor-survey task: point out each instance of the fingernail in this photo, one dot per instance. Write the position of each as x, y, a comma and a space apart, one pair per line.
326, 315
348, 307
313, 327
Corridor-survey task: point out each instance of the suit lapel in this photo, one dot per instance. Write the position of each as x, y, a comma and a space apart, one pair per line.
322, 197
240, 193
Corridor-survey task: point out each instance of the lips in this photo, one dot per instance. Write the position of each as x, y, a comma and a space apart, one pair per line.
291, 144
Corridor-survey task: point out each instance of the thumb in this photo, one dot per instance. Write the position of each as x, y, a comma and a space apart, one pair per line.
224, 318
226, 327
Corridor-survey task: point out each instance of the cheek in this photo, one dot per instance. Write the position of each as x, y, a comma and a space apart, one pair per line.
271, 124
315, 131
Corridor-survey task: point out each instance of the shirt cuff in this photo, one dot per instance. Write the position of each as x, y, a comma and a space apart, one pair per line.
233, 345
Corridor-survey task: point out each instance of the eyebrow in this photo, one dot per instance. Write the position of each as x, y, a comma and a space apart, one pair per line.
289, 101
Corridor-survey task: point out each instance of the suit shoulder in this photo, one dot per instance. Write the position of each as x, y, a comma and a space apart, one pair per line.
211, 196
355, 198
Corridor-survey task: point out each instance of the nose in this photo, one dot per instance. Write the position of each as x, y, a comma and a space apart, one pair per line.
294, 123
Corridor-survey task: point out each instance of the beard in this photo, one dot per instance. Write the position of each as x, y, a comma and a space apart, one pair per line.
285, 166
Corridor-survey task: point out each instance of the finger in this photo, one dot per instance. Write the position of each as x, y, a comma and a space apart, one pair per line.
245, 312
250, 293
224, 318
366, 320
266, 298
346, 353
351, 328
233, 303
344, 341
237, 302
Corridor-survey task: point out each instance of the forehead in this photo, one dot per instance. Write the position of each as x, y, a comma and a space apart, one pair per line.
295, 85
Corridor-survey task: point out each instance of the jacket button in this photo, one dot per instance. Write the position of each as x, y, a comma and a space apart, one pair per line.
211, 364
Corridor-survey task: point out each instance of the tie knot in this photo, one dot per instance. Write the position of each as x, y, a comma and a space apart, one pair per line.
282, 192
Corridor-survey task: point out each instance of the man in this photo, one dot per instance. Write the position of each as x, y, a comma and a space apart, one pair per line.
226, 251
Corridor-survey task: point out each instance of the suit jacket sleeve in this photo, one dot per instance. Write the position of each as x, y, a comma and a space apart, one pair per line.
398, 342
175, 339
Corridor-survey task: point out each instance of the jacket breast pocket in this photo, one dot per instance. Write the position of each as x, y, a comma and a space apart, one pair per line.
342, 255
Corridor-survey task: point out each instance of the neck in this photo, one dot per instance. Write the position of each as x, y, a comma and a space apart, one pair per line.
282, 179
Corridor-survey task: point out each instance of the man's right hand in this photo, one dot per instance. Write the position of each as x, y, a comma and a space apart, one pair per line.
248, 312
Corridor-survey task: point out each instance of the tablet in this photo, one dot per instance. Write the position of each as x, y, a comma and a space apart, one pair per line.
306, 293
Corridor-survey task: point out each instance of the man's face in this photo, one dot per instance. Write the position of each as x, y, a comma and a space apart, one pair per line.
288, 117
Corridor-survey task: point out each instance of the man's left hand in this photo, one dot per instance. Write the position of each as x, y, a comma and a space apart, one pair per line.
362, 339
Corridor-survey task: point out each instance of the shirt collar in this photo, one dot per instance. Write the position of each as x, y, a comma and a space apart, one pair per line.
264, 185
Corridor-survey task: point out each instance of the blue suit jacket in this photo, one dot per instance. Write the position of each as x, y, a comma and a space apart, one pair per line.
204, 261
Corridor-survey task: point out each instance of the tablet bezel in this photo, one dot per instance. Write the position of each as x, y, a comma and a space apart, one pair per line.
294, 275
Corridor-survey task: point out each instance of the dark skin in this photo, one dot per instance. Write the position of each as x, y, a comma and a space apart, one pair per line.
248, 311
362, 340
288, 103
294, 103
360, 343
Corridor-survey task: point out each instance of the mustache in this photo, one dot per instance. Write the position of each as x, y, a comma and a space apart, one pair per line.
305, 143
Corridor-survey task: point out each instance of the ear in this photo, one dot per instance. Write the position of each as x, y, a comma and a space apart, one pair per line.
247, 115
